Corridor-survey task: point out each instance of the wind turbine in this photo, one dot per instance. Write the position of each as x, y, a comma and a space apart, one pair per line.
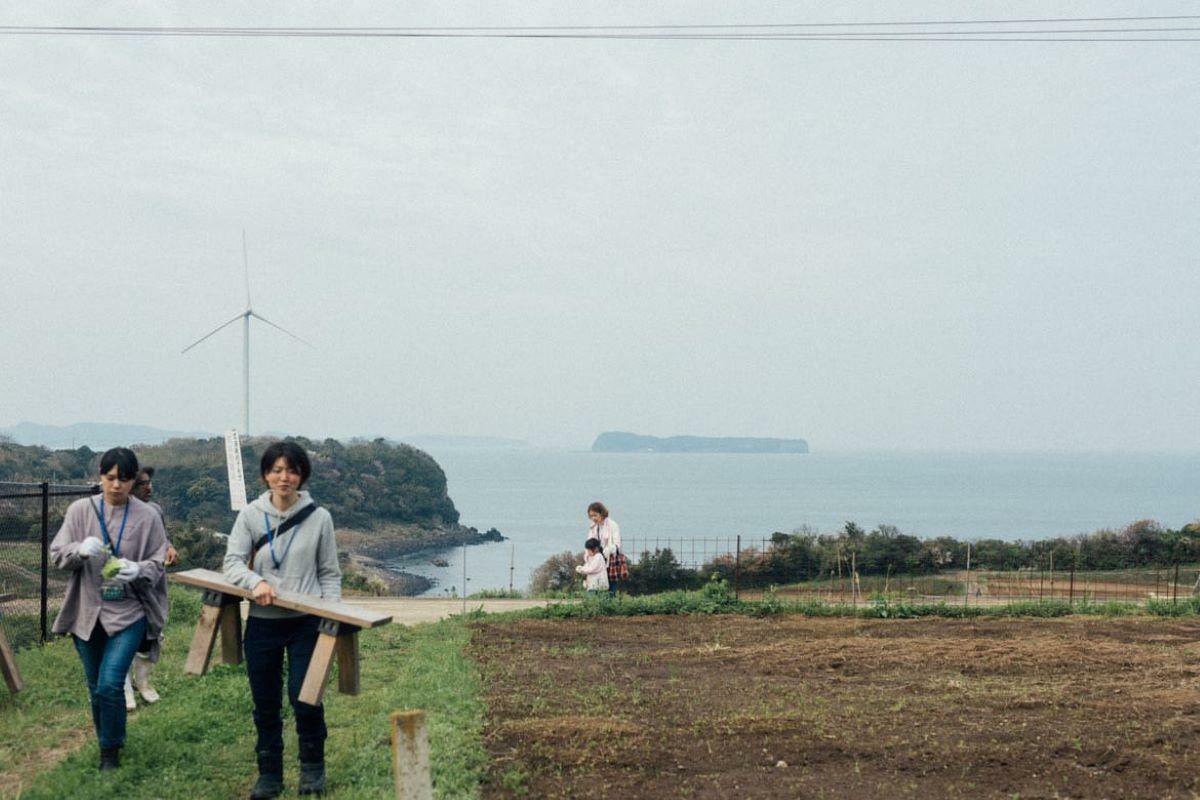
245, 318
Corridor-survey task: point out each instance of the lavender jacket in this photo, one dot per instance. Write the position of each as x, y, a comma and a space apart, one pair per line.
145, 542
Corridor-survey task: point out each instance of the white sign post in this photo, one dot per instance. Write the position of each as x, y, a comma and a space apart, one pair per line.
233, 462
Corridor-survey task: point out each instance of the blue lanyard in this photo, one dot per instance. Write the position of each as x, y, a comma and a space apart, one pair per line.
104, 529
271, 542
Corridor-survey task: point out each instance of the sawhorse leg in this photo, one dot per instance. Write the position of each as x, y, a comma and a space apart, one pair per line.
335, 638
8, 665
220, 616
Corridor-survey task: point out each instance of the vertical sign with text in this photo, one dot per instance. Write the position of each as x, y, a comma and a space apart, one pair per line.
233, 461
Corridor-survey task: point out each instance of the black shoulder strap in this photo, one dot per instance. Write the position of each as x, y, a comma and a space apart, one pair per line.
285, 526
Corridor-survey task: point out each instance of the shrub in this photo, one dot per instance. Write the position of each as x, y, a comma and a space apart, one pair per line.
556, 573
658, 572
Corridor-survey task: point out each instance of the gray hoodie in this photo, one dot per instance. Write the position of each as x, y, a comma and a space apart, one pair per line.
307, 554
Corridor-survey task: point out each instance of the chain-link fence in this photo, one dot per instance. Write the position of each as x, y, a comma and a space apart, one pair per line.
30, 589
846, 576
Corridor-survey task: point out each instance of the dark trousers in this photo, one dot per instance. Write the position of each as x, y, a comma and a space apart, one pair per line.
106, 659
266, 642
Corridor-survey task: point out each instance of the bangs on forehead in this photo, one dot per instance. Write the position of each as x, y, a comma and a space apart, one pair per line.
287, 462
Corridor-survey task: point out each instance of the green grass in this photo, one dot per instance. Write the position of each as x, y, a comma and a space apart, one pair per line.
198, 742
716, 598
895, 585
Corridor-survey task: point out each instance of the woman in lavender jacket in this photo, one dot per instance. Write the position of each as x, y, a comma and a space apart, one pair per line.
109, 612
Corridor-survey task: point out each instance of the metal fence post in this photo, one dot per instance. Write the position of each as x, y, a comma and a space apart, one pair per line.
1071, 596
45, 578
967, 587
1175, 587
737, 568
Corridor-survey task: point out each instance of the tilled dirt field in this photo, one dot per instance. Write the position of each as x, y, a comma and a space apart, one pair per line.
708, 707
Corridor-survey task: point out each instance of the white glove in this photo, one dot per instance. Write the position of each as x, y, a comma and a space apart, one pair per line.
91, 546
129, 571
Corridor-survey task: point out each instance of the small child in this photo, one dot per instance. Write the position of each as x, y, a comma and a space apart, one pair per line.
594, 568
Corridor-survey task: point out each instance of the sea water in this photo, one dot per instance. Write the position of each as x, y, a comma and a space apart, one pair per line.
538, 498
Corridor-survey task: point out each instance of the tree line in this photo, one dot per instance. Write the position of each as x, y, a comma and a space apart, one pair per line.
363, 484
807, 555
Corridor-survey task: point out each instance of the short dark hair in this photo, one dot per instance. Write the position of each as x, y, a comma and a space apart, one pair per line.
123, 459
599, 508
292, 454
147, 471
592, 544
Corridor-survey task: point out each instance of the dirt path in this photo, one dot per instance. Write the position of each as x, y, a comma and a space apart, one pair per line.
665, 707
415, 610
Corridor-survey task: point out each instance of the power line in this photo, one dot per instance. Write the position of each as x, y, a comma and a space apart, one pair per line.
668, 26
914, 36
689, 32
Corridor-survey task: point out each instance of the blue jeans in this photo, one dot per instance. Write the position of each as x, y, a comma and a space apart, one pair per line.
106, 659
266, 642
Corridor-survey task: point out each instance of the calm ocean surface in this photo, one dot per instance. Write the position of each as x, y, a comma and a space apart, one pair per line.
537, 498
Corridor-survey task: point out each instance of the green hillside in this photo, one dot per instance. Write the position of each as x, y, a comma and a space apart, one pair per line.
364, 485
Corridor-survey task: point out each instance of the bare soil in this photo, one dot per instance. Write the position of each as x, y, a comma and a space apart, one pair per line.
793, 707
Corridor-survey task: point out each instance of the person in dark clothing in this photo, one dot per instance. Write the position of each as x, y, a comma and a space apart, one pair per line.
302, 558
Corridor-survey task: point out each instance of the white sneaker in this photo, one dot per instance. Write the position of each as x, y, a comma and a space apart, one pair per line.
142, 667
130, 700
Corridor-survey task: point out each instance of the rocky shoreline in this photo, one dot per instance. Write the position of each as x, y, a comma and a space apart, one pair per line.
367, 550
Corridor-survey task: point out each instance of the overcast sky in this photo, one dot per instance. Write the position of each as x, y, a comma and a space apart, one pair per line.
869, 245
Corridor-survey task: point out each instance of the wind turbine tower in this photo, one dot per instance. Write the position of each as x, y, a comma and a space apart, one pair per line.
245, 316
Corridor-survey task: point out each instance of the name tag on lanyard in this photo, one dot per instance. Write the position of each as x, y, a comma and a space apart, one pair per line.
112, 591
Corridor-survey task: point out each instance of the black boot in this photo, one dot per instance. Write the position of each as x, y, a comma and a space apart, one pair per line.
312, 777
270, 777
110, 758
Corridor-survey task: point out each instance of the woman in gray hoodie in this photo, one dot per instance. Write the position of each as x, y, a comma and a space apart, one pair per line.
283, 541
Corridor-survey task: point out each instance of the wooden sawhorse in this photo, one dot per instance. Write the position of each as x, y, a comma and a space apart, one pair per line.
8, 664
221, 618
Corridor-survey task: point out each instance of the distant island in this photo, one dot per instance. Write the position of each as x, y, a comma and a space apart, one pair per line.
622, 442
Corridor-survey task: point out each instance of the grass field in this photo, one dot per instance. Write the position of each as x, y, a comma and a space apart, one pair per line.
682, 695
198, 742
787, 707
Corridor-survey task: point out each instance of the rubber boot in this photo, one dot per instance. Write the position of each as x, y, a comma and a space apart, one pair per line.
270, 777
312, 768
142, 667
312, 777
110, 758
130, 700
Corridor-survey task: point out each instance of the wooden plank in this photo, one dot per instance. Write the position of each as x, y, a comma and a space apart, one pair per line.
328, 609
8, 666
231, 634
318, 670
349, 676
4, 598
410, 756
202, 640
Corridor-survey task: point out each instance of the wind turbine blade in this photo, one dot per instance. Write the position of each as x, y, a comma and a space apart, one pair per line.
261, 318
246, 265
214, 330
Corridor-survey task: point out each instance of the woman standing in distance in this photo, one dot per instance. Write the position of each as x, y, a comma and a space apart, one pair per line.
283, 541
108, 611
605, 529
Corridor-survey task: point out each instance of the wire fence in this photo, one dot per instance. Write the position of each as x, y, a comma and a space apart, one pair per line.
752, 565
30, 591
